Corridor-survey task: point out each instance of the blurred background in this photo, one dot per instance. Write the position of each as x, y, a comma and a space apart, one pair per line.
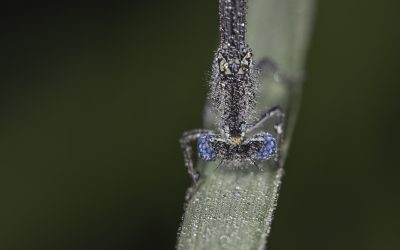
93, 99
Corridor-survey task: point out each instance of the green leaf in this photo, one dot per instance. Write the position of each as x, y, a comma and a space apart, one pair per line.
232, 208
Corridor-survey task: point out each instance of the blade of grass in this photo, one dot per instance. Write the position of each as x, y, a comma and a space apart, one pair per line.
231, 208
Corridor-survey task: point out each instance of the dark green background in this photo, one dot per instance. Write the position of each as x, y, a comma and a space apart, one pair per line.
93, 99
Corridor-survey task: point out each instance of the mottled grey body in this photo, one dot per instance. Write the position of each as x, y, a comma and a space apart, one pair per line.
234, 82
233, 90
233, 95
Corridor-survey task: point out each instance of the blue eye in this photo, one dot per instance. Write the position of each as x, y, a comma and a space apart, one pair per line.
268, 149
206, 151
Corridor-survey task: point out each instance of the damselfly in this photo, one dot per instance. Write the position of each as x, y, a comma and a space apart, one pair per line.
233, 96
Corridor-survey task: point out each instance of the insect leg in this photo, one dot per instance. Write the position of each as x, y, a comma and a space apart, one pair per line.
279, 125
186, 143
266, 65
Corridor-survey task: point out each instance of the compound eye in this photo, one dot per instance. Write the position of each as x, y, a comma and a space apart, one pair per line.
206, 149
269, 148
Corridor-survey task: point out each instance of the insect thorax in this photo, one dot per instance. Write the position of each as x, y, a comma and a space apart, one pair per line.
234, 85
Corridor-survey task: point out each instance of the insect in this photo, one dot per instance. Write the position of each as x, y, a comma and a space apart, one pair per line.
233, 92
